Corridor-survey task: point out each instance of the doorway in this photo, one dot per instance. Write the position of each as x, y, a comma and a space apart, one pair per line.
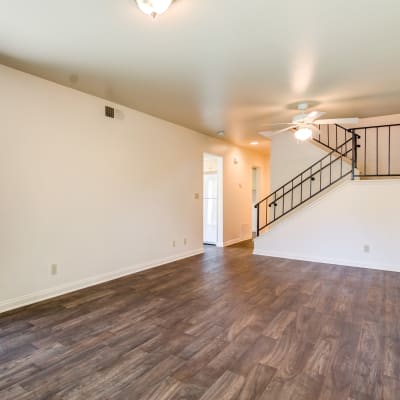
255, 196
212, 200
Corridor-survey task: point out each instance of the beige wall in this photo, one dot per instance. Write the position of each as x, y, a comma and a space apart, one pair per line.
99, 197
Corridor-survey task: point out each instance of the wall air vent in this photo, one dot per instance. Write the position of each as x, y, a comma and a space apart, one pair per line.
109, 112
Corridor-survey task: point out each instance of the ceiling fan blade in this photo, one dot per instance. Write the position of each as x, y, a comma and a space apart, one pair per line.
313, 115
270, 134
350, 121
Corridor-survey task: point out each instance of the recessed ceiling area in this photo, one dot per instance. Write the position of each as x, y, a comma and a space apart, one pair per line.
212, 66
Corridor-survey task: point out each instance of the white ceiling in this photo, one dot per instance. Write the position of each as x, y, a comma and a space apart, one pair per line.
215, 64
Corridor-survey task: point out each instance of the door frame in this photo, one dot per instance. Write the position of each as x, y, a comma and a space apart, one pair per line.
220, 197
258, 195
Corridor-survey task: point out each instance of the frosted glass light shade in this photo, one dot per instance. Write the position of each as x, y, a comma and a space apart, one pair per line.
303, 134
153, 7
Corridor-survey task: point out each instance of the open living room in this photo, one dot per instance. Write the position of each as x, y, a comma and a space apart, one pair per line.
199, 200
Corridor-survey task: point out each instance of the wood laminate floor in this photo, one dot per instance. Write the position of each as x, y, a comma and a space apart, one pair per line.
223, 325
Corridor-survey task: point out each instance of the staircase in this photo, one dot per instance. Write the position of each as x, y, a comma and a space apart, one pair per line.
362, 153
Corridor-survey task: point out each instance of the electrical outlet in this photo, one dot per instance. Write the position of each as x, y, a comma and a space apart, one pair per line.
185, 241
54, 269
174, 244
367, 248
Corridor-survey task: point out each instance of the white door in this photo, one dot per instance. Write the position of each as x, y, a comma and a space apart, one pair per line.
210, 218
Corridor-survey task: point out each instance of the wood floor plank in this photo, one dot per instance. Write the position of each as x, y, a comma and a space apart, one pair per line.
171, 389
391, 388
261, 348
166, 390
368, 370
232, 353
138, 387
15, 392
256, 382
322, 357
339, 376
301, 387
309, 324
278, 325
289, 355
392, 358
199, 361
226, 387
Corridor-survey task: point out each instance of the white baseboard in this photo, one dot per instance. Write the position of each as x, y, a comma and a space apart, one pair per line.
36, 297
323, 260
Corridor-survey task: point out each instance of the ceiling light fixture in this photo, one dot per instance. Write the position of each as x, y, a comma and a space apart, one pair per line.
303, 134
154, 7
254, 143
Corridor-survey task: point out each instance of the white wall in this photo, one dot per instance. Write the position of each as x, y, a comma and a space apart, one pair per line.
289, 157
336, 227
99, 197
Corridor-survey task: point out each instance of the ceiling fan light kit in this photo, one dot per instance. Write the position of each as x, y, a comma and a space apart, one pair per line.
303, 134
153, 7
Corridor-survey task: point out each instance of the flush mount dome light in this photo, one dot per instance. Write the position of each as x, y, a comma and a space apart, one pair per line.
303, 134
153, 7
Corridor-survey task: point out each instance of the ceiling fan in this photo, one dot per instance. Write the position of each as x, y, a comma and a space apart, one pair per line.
304, 124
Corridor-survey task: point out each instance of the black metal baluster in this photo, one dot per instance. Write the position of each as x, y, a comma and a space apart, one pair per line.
328, 135
320, 176
258, 219
266, 212
389, 153
353, 156
377, 154
365, 151
292, 194
301, 188
341, 165
357, 146
336, 139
